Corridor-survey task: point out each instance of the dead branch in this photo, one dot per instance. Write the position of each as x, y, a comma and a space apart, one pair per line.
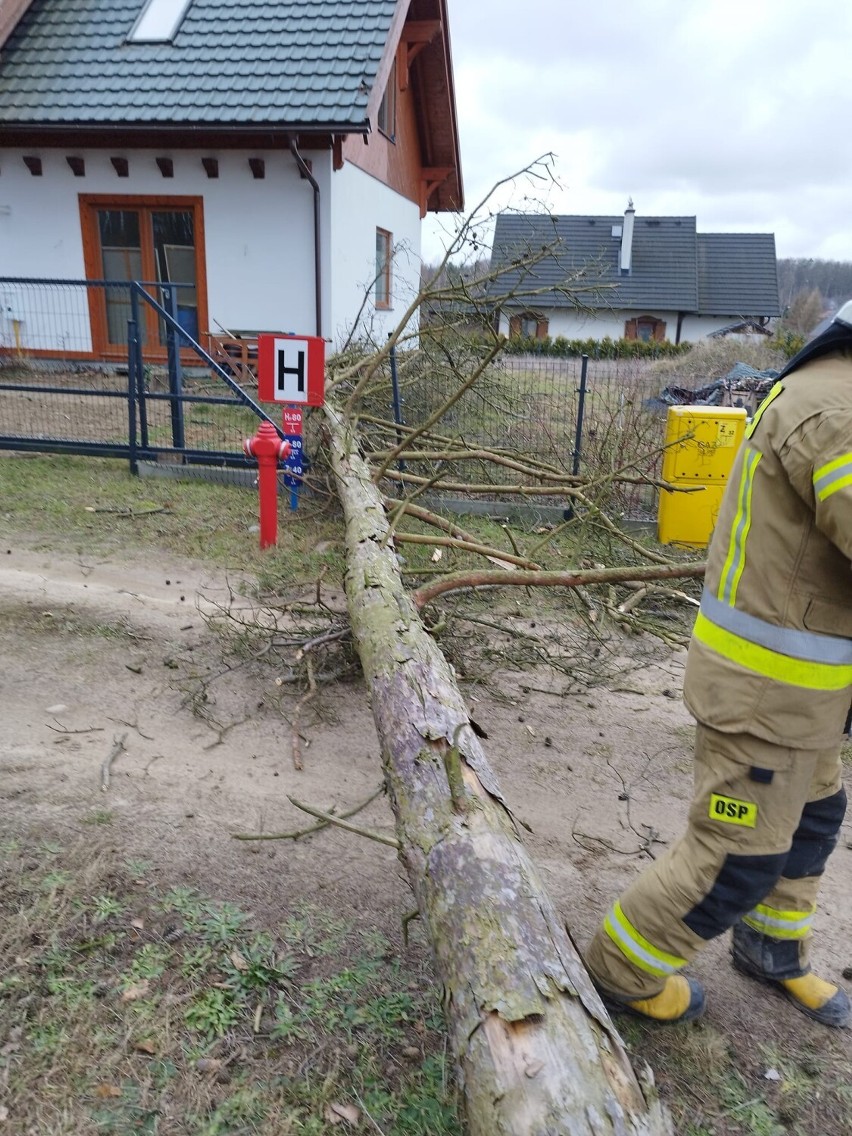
117, 748
438, 414
299, 833
65, 730
466, 546
297, 713
221, 731
321, 641
127, 514
338, 823
486, 578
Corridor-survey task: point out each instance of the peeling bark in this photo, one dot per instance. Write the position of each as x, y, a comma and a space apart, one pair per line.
536, 1051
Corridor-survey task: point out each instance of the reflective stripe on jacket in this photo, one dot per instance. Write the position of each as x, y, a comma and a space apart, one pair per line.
771, 652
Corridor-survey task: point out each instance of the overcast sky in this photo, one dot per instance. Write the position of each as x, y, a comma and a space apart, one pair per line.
738, 112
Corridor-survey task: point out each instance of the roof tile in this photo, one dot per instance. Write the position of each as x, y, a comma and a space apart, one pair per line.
673, 266
274, 61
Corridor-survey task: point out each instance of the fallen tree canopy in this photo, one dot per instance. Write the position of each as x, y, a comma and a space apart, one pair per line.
536, 1051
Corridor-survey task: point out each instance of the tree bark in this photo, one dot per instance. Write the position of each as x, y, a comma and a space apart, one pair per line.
536, 1051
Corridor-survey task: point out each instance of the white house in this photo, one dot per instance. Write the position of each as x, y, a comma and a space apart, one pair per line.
275, 157
633, 277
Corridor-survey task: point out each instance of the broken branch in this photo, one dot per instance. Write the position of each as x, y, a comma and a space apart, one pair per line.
117, 748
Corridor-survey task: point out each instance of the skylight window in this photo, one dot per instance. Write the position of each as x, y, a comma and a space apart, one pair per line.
158, 21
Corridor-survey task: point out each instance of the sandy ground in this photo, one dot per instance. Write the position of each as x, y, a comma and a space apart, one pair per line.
92, 651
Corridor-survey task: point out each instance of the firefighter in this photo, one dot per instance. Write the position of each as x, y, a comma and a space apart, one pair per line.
769, 681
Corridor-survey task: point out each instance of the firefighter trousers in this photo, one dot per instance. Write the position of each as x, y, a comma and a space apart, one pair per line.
763, 822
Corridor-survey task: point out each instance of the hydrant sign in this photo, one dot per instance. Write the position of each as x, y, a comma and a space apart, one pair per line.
291, 368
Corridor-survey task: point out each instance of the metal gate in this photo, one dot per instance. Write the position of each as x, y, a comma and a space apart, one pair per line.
167, 402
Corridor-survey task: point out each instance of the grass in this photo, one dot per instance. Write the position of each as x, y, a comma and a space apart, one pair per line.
717, 1085
125, 1008
129, 1006
85, 504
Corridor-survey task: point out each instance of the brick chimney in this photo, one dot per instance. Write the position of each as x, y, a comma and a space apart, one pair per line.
626, 258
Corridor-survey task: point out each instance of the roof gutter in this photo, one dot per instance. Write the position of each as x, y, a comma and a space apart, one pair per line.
306, 173
275, 129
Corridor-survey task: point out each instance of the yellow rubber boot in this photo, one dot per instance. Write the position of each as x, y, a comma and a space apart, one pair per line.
680, 1000
820, 1000
776, 962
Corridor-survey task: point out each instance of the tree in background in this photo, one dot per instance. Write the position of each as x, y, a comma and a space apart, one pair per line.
805, 311
833, 278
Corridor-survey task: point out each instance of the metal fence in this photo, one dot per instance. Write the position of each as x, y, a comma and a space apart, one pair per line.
162, 396
159, 396
593, 416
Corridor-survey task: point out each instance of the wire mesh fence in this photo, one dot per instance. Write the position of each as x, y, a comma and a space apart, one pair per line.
526, 407
530, 407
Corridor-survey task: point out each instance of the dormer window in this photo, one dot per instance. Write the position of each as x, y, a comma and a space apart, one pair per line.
158, 21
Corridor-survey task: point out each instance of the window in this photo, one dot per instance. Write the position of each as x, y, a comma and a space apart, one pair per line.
530, 325
386, 118
144, 238
384, 257
647, 328
158, 21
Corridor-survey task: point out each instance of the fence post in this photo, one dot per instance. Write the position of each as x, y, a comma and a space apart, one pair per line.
175, 371
581, 406
134, 348
132, 387
568, 513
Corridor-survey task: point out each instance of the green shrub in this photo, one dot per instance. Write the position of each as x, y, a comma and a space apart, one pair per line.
606, 348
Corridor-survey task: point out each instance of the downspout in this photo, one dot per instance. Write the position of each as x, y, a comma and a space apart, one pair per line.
306, 173
680, 316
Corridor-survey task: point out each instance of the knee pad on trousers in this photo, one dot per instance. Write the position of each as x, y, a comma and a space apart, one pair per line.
742, 883
816, 837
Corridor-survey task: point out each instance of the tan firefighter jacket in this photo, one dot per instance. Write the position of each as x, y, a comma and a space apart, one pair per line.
771, 652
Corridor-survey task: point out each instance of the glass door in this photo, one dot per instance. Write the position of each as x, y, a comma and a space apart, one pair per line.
158, 240
173, 236
120, 233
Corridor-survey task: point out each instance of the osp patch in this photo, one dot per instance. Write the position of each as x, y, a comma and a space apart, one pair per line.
732, 811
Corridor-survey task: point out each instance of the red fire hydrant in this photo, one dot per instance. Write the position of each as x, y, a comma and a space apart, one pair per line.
269, 449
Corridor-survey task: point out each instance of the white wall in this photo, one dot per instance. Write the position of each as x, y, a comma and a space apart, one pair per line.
259, 235
583, 325
359, 205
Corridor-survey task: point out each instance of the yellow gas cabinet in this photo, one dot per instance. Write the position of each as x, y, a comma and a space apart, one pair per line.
701, 444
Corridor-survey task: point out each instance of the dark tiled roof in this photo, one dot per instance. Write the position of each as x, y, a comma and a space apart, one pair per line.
738, 274
307, 63
673, 267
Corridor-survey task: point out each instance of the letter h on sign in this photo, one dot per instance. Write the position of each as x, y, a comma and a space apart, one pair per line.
291, 369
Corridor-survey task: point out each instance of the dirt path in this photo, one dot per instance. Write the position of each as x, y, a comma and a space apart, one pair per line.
94, 651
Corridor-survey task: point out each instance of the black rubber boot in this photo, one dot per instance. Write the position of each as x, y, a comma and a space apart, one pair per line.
680, 1000
776, 962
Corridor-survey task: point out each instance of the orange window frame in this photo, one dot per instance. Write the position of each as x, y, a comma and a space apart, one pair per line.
90, 203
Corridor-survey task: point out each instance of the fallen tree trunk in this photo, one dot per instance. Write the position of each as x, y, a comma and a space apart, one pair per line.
536, 1051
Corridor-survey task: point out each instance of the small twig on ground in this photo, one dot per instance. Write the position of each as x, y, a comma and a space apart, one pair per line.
130, 514
64, 729
299, 833
391, 841
323, 570
134, 725
222, 730
117, 748
321, 640
297, 713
